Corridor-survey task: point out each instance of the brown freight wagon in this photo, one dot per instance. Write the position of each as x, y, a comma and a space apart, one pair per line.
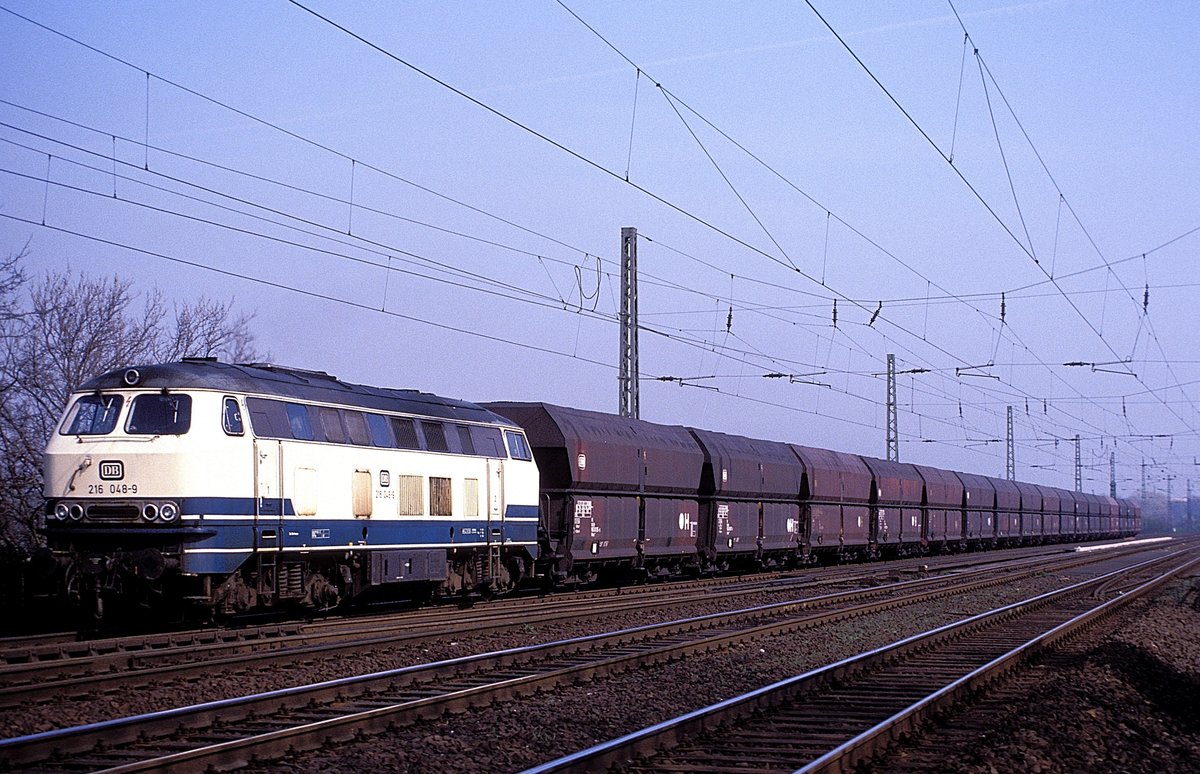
943, 504
618, 494
835, 497
979, 510
749, 502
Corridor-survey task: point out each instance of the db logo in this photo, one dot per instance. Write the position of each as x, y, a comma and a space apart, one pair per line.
112, 470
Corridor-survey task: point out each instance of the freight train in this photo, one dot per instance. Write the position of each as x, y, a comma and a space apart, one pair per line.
238, 487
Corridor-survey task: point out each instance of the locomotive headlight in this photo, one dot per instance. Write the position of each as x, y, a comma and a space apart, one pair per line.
168, 512
149, 511
75, 512
61, 511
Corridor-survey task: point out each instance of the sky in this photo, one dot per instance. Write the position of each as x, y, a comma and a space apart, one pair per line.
431, 195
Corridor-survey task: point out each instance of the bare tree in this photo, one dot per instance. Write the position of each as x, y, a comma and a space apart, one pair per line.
67, 329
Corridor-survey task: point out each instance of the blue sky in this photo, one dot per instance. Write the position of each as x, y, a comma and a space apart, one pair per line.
502, 245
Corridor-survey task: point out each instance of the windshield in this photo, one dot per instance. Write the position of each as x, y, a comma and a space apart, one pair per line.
160, 415
93, 415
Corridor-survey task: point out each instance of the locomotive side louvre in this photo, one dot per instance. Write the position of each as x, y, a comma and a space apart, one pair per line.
749, 501
617, 493
295, 485
897, 512
979, 510
835, 502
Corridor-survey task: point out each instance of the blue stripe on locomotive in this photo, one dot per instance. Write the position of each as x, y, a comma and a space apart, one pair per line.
220, 553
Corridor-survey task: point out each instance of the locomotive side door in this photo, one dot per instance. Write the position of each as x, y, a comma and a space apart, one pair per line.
268, 503
495, 515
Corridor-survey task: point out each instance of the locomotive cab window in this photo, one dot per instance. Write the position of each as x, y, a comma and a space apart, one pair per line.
160, 414
518, 448
93, 415
231, 417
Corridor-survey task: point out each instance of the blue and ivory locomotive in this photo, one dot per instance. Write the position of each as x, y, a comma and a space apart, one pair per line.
239, 486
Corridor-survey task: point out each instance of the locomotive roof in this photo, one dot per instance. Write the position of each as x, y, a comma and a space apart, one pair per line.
293, 383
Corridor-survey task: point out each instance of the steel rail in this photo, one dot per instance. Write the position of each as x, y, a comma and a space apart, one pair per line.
881, 736
520, 670
52, 680
627, 749
18, 652
61, 646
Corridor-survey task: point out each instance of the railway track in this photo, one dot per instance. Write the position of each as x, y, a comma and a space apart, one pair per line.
63, 645
232, 732
843, 715
115, 664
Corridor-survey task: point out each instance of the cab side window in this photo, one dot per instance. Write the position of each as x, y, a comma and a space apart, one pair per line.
518, 449
231, 417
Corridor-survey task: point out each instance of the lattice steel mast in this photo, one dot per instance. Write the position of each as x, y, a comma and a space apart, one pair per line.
893, 430
628, 378
1010, 460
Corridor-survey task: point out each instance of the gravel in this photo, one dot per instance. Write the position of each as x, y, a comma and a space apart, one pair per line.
1125, 702
515, 735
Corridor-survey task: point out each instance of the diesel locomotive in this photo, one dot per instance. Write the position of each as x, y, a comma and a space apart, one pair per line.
238, 486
